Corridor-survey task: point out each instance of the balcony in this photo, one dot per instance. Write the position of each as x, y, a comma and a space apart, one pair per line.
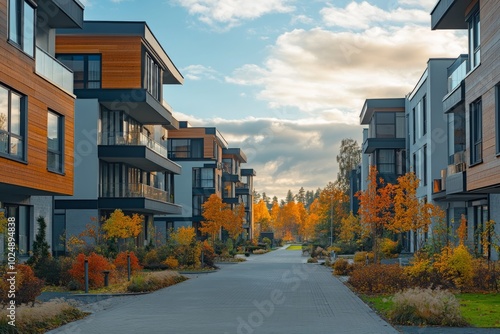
226, 177
137, 197
137, 150
61, 13
244, 190
372, 144
231, 200
52, 70
456, 84
449, 14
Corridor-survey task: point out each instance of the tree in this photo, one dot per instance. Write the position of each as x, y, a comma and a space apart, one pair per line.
41, 253
352, 229
234, 225
261, 216
216, 214
375, 207
307, 228
122, 226
348, 158
301, 196
290, 197
410, 212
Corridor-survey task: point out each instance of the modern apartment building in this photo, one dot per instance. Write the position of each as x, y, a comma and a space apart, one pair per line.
209, 167
36, 113
121, 125
427, 135
475, 97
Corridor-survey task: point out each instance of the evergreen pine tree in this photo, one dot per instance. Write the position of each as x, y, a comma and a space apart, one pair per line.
40, 246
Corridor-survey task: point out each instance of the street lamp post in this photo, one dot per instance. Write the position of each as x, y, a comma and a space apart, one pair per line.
331, 221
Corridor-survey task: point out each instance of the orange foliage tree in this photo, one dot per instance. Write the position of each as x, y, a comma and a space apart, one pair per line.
234, 225
216, 215
307, 227
375, 207
121, 226
333, 206
262, 217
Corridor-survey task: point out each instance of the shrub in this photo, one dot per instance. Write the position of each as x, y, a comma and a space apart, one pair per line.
121, 262
312, 260
208, 253
28, 287
420, 307
154, 281
378, 278
171, 262
360, 257
455, 265
389, 248
486, 275
260, 251
96, 263
267, 241
41, 255
151, 259
342, 267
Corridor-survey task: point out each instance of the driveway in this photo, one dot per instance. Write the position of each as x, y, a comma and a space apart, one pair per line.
271, 293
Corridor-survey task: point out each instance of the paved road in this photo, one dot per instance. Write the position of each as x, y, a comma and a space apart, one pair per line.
272, 293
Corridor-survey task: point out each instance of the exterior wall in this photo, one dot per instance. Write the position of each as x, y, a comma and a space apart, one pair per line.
495, 215
121, 57
17, 71
480, 83
42, 206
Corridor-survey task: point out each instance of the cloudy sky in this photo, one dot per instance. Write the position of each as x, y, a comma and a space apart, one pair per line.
285, 80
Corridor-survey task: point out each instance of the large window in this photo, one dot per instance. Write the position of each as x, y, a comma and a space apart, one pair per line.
476, 131
55, 142
456, 136
86, 69
198, 201
153, 77
414, 125
22, 25
185, 148
423, 107
497, 108
386, 162
203, 178
424, 165
12, 123
474, 39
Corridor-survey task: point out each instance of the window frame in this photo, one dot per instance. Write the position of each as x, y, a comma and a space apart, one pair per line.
474, 36
18, 38
189, 152
60, 141
497, 117
85, 81
424, 165
476, 132
153, 77
21, 136
424, 115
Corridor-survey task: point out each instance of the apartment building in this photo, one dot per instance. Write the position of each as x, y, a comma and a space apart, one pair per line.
36, 113
121, 125
209, 167
427, 135
475, 97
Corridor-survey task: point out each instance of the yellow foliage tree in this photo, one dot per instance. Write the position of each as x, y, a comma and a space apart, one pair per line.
262, 217
351, 229
276, 222
307, 229
183, 236
121, 226
234, 226
216, 214
3, 222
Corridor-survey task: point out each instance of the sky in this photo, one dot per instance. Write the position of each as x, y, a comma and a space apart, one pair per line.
285, 80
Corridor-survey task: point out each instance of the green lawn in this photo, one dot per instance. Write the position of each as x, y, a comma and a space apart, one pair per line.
294, 247
479, 310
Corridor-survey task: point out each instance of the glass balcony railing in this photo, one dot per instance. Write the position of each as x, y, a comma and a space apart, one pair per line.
133, 190
132, 139
458, 74
51, 69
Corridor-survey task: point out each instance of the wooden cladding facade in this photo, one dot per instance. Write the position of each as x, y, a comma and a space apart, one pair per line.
17, 73
481, 84
121, 57
197, 133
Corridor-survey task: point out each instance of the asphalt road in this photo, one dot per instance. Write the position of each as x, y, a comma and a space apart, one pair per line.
271, 293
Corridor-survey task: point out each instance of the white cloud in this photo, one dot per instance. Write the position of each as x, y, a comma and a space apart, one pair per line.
231, 13
200, 72
363, 15
304, 19
426, 4
319, 70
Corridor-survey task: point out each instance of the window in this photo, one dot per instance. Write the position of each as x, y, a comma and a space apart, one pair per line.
424, 114
456, 135
497, 106
12, 123
86, 69
203, 178
22, 25
476, 130
185, 148
153, 77
424, 166
386, 162
198, 201
386, 125
400, 125
414, 166
55, 142
414, 128
474, 39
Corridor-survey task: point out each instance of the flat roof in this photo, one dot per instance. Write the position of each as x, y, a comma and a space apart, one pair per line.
385, 104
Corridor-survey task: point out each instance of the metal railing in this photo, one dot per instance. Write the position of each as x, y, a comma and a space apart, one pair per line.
51, 69
133, 190
132, 139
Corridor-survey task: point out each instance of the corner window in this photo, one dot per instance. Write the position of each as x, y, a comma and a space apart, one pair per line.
153, 77
12, 124
476, 132
185, 148
22, 25
55, 161
86, 69
474, 39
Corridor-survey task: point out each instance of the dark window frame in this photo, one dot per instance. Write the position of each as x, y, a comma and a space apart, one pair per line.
424, 165
424, 115
153, 77
497, 117
59, 151
18, 37
474, 35
10, 135
476, 132
85, 83
188, 152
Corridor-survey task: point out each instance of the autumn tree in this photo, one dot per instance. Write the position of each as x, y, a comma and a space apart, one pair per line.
122, 226
348, 158
234, 225
184, 238
261, 216
375, 204
216, 215
307, 228
333, 206
410, 212
351, 229
276, 222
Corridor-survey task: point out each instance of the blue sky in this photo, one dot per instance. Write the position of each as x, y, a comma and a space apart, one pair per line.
285, 80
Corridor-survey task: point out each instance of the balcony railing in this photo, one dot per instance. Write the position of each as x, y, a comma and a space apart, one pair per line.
458, 164
458, 73
132, 139
51, 69
133, 190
